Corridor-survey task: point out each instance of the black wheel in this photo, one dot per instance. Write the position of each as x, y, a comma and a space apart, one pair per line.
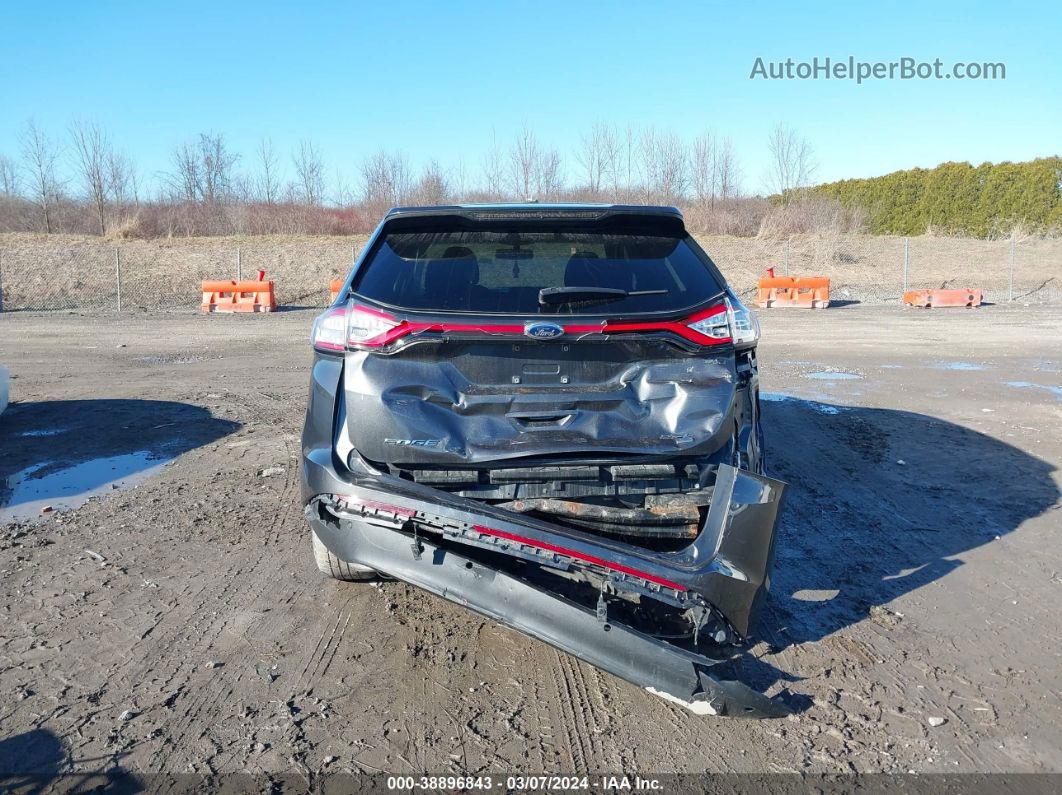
338, 569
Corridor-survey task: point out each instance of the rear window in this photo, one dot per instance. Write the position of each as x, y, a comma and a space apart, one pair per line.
504, 271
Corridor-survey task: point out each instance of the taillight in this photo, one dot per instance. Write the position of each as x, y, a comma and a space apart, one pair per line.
371, 328
712, 323
355, 327
745, 326
330, 331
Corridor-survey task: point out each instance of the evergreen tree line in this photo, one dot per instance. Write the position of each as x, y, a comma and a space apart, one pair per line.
988, 200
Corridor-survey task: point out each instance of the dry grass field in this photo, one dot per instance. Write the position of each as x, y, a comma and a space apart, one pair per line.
73, 271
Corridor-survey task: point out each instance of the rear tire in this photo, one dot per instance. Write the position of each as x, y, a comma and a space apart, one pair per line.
338, 569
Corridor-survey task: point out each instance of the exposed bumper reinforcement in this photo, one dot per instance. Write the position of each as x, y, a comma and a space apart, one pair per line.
659, 667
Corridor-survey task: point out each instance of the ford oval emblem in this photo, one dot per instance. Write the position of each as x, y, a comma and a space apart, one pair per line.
543, 331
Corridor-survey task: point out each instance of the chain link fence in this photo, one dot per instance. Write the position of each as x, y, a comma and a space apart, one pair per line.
40, 274
59, 273
879, 269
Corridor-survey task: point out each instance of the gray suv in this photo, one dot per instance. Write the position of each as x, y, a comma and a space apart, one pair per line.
549, 414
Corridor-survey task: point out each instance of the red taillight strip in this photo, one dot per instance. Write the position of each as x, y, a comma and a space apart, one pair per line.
398, 510
406, 327
571, 553
490, 531
679, 327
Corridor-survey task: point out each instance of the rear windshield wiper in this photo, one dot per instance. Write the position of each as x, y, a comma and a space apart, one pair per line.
551, 296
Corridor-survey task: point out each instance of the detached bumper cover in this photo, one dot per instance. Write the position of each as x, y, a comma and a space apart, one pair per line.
726, 567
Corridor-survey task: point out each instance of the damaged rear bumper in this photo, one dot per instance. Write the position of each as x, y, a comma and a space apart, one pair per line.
452, 546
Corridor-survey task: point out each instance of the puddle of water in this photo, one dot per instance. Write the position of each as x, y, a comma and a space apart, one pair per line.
961, 366
821, 408
829, 375
1055, 390
73, 486
813, 595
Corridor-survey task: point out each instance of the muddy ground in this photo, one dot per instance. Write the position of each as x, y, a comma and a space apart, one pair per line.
177, 624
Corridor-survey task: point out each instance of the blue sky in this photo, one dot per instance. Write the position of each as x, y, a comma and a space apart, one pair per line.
433, 79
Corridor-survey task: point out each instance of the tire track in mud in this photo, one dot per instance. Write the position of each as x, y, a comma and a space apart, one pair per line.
526, 725
488, 727
578, 700
407, 607
545, 738
324, 651
225, 592
423, 647
433, 657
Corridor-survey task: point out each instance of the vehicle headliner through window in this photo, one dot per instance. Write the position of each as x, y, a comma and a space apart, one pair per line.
490, 272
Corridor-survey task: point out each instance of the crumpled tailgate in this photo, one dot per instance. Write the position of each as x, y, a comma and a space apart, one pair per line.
470, 402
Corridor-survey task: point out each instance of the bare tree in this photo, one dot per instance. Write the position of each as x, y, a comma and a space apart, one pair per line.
597, 155
714, 173
523, 162
121, 179
626, 165
727, 171
218, 165
386, 179
40, 154
664, 166
549, 179
534, 172
609, 143
92, 152
10, 180
493, 169
344, 196
791, 161
672, 168
184, 180
268, 182
433, 186
649, 165
704, 171
309, 172
459, 181
204, 170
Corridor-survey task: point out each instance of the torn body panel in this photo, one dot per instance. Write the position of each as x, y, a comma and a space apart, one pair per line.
433, 539
614, 647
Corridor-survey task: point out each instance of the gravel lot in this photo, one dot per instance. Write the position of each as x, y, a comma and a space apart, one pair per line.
178, 625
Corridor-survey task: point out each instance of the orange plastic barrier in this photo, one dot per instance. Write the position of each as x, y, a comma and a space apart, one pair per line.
233, 296
939, 298
333, 289
810, 292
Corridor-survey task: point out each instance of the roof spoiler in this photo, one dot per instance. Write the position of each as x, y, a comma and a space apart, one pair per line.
631, 219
